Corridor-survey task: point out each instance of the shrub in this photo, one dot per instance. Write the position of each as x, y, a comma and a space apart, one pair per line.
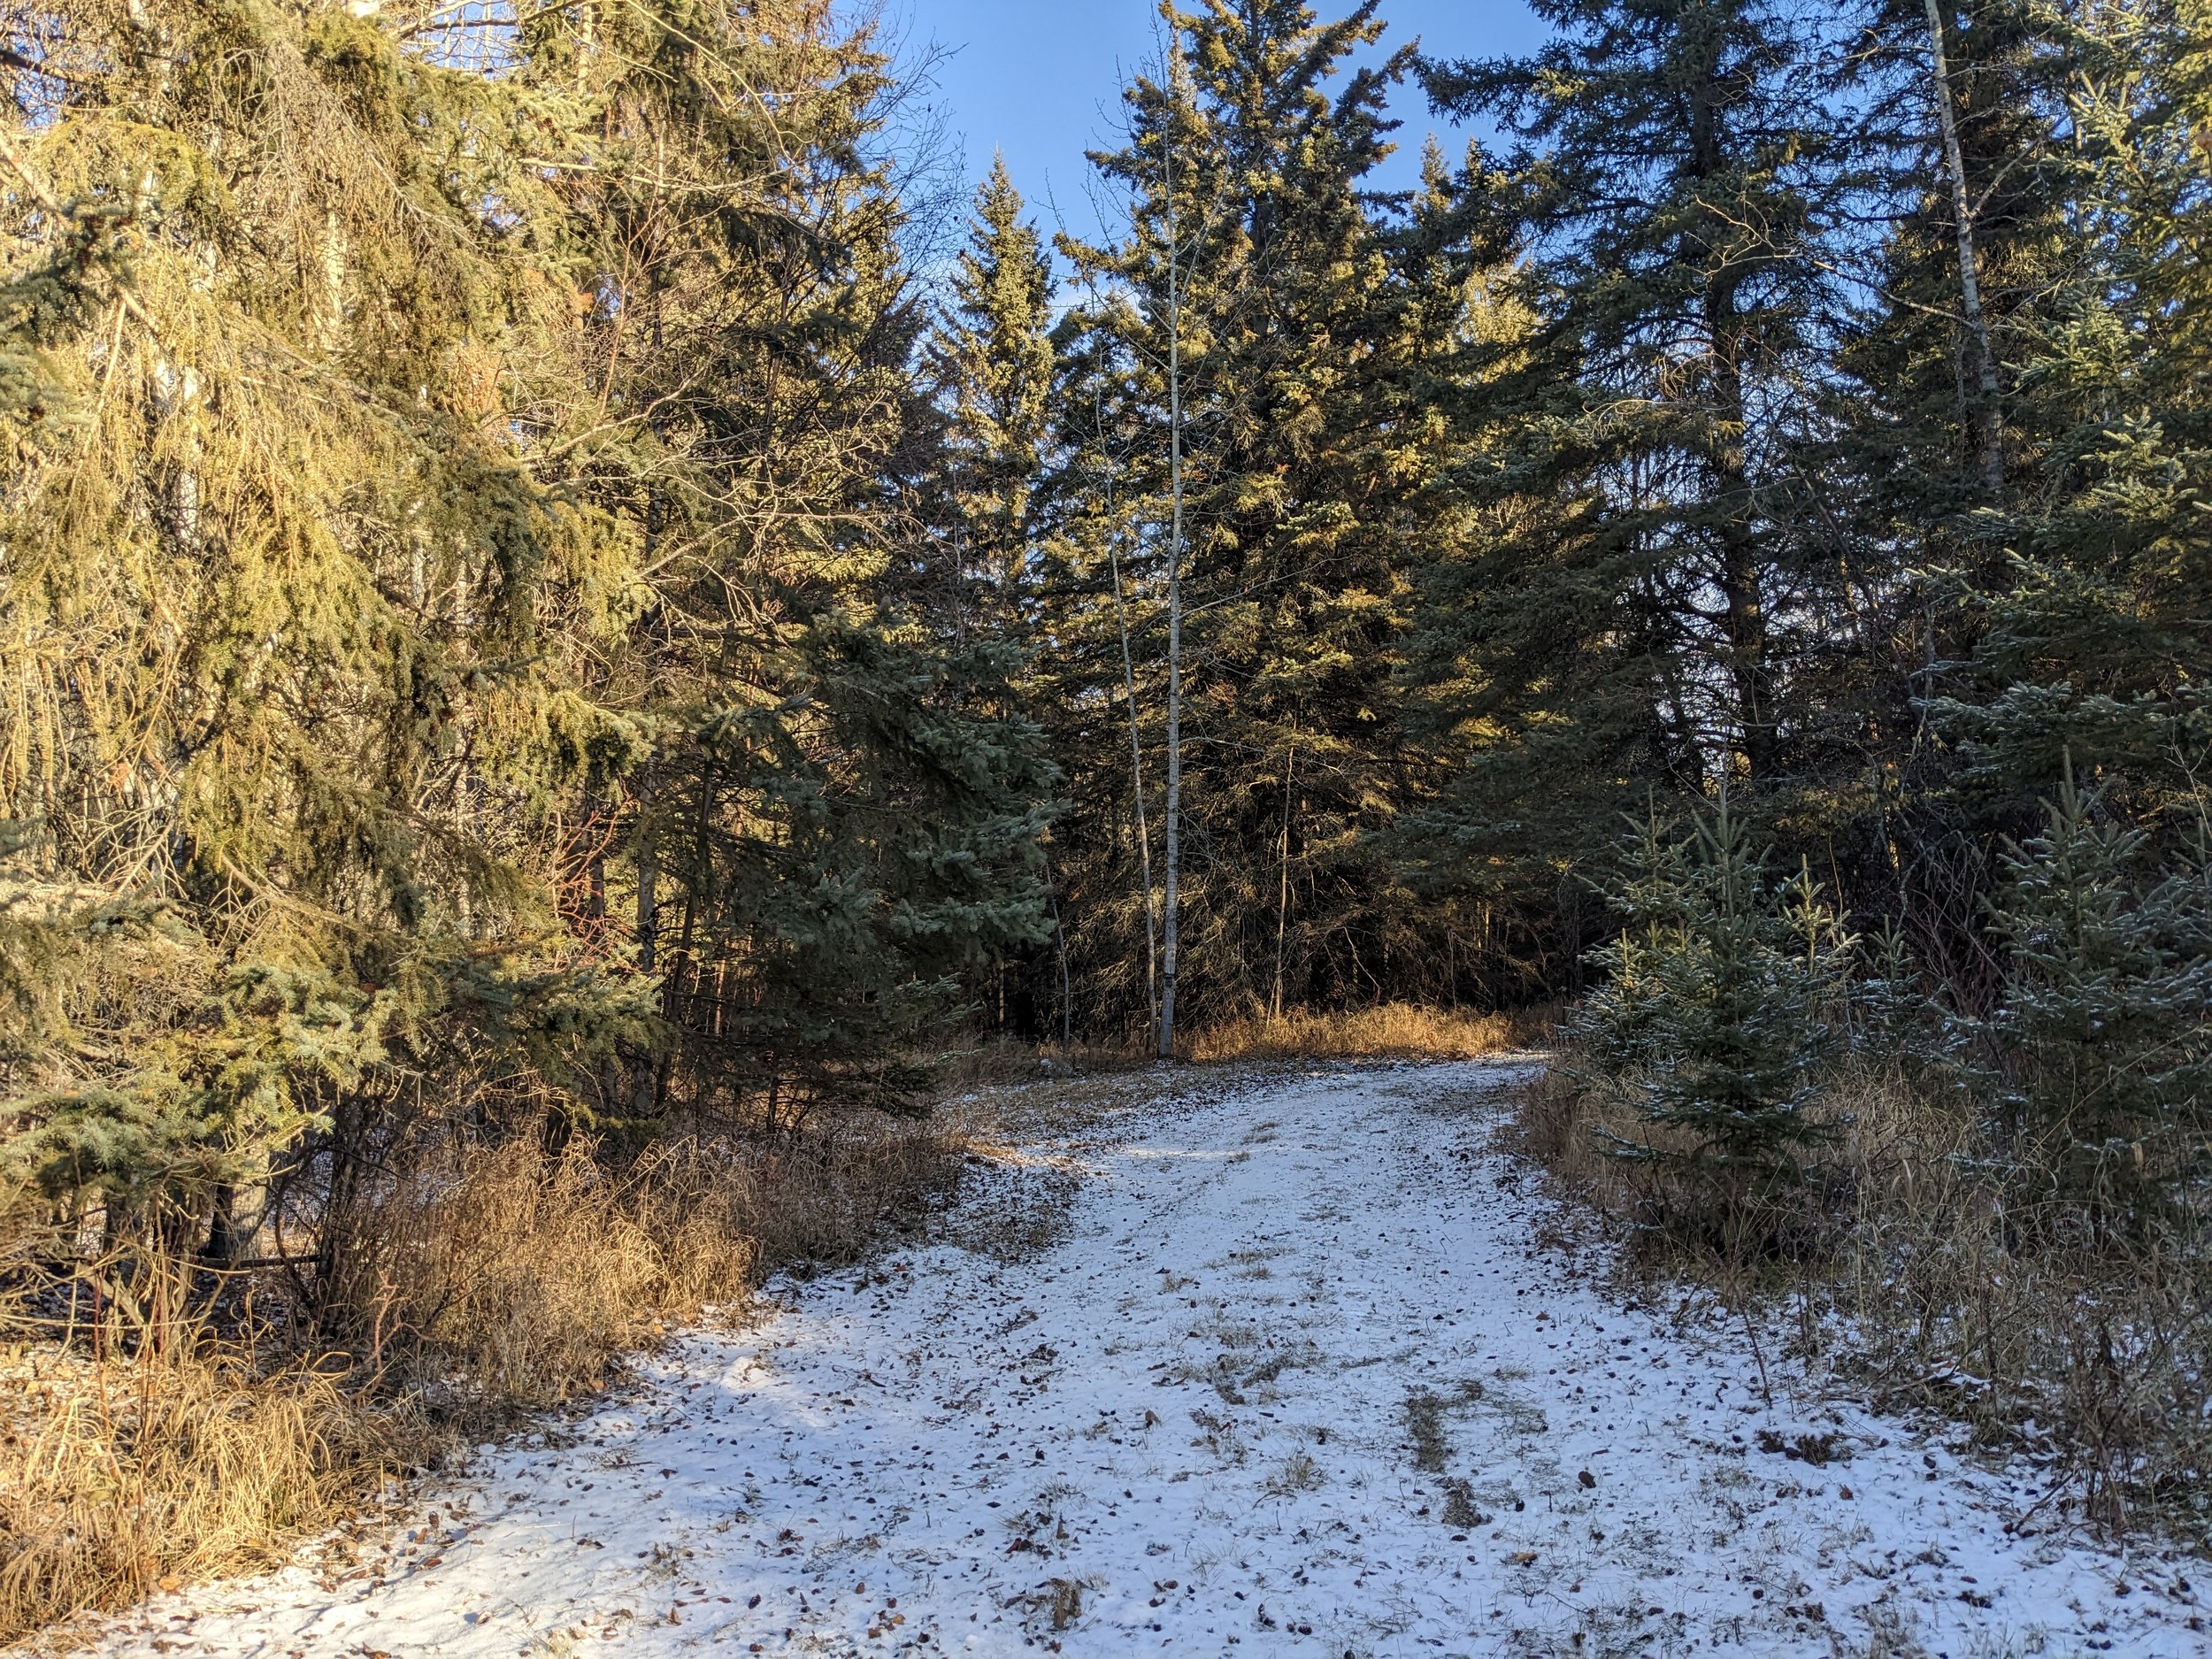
158, 1419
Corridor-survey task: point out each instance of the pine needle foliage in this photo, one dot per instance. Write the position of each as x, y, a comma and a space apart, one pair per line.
990, 360
1314, 464
1673, 182
282, 597
2090, 638
452, 488
1720, 1002
837, 834
2101, 1055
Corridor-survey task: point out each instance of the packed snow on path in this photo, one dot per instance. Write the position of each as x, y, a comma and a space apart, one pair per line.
1296, 1377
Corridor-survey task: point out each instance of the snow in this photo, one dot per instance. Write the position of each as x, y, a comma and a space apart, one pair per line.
1197, 1424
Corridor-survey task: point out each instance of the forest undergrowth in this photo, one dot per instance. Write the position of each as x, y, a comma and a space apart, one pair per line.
568, 623
1922, 1261
1391, 1031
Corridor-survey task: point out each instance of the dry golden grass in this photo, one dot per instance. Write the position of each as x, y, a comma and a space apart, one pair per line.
115, 1477
508, 1282
1564, 1113
1390, 1032
1396, 1030
1927, 1261
828, 1200
523, 1280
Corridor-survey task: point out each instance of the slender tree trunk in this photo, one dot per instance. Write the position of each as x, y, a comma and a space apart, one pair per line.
673, 1005
1173, 903
1067, 981
651, 1075
701, 873
649, 901
594, 863
1282, 898
237, 1217
1136, 760
1986, 416
1741, 576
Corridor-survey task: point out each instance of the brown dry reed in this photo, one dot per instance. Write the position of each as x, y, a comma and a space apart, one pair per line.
1929, 1263
1390, 1031
1393, 1031
113, 1478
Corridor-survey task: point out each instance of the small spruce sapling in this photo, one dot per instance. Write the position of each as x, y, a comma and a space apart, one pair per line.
2101, 1051
1716, 1003
1890, 1023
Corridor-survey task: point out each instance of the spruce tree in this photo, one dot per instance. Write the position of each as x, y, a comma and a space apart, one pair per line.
1949, 165
2101, 1051
1648, 593
1294, 360
836, 831
1101, 679
2090, 631
1957, 158
990, 360
1675, 182
1718, 1005
455, 489
292, 620
987, 373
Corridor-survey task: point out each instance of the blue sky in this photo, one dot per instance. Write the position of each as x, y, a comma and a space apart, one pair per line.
1040, 79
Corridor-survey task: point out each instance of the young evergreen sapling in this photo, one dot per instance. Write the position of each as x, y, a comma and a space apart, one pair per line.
1718, 1006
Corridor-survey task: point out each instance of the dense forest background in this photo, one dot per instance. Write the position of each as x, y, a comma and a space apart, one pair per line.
527, 620
514, 581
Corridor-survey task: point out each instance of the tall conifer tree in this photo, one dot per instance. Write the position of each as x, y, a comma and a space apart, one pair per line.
1654, 582
990, 359
293, 623
2091, 634
841, 817
1293, 352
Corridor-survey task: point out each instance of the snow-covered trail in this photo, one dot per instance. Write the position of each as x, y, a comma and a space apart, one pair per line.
1297, 1380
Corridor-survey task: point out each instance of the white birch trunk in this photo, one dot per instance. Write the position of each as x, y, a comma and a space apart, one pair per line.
1171, 904
1136, 758
1987, 418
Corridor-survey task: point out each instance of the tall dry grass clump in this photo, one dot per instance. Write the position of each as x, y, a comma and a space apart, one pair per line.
1386, 1032
519, 1283
825, 1199
115, 1476
1394, 1030
1966, 1279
